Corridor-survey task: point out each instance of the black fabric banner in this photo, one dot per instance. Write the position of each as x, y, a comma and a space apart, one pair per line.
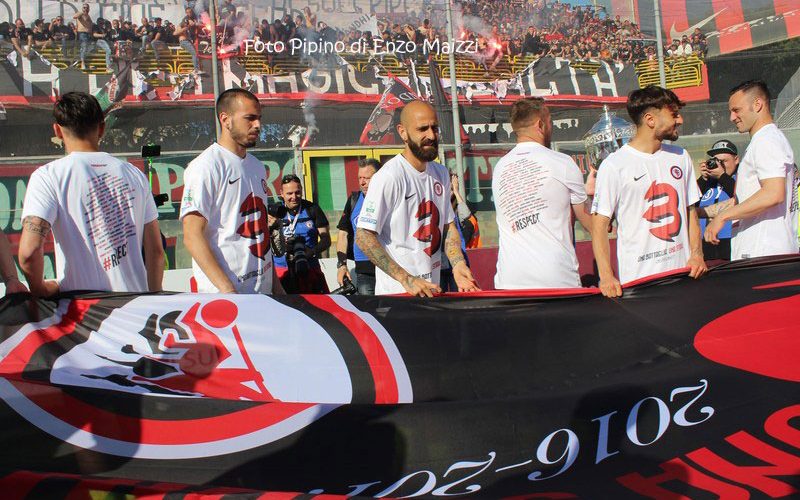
681, 387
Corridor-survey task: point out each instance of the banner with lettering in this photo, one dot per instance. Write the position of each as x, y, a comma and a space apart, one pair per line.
681, 388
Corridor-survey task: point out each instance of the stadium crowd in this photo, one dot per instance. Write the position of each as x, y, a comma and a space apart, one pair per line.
539, 28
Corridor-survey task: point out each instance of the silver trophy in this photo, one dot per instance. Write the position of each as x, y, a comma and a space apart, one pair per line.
606, 136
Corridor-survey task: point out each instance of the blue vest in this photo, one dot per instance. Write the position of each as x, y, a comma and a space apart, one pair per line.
358, 255
715, 195
305, 229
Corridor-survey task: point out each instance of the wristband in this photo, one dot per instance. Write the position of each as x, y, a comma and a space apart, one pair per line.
341, 264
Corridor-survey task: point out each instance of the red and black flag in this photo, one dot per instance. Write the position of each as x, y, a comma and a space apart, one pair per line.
380, 127
729, 25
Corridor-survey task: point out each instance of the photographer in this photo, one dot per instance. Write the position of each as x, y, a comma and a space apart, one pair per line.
305, 229
717, 182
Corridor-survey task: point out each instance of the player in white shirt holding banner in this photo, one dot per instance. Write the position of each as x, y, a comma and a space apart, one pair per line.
224, 205
406, 210
100, 209
650, 187
535, 191
765, 216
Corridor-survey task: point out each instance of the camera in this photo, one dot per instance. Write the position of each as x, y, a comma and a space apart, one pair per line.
277, 210
713, 163
347, 288
296, 254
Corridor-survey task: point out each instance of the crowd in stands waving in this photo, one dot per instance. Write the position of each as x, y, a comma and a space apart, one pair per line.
496, 29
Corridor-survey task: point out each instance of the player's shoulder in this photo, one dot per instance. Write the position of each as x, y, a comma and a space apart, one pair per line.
205, 160
438, 170
674, 150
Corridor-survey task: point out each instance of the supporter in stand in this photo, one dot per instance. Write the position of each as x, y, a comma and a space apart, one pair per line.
187, 35
101, 33
84, 25
100, 209
157, 36
41, 36
21, 38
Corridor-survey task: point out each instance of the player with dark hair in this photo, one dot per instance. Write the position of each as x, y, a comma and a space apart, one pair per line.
767, 183
100, 209
224, 205
650, 187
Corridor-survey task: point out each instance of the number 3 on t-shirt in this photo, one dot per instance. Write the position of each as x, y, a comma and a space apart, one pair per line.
429, 233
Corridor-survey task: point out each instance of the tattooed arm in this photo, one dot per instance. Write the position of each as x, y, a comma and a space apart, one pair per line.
461, 273
31, 256
368, 242
712, 211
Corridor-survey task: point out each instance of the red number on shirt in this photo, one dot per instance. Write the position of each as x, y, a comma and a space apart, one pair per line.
658, 212
429, 232
255, 225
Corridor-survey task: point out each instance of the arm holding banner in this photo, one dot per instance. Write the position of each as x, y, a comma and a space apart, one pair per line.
7, 268
696, 263
609, 284
31, 256
368, 242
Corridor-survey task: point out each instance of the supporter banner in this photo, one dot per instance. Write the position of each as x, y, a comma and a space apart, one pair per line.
681, 388
730, 25
29, 10
549, 77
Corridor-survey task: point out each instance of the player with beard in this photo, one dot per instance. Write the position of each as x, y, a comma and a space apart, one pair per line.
650, 188
402, 224
536, 190
224, 205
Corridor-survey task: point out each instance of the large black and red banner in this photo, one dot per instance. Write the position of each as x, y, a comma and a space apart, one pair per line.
681, 389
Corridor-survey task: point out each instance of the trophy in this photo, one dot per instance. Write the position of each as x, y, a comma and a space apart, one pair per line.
606, 136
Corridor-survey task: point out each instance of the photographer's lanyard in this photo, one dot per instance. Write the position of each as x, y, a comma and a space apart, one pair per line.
293, 223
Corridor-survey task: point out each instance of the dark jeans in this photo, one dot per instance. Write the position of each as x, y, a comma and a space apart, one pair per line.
365, 283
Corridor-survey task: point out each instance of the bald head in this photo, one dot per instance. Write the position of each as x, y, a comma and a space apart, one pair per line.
419, 130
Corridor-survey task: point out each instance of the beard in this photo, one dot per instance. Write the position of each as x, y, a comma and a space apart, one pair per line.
417, 149
243, 139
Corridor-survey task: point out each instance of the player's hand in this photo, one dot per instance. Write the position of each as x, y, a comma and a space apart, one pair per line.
713, 228
591, 180
271, 221
341, 273
454, 182
697, 266
610, 287
419, 287
14, 285
464, 279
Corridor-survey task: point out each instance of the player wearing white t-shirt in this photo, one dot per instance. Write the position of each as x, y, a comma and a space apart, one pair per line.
100, 209
402, 223
650, 187
766, 213
226, 227
535, 191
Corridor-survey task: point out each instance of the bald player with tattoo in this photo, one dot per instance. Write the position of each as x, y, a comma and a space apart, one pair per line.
407, 218
100, 210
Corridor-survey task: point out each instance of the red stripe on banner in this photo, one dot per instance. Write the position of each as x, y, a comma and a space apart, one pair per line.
699, 93
673, 18
777, 285
18, 484
163, 432
386, 391
731, 14
793, 21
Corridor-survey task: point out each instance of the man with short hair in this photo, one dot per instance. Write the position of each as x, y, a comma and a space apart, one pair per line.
100, 209
305, 229
187, 34
345, 242
405, 213
649, 186
84, 25
224, 205
766, 213
536, 190
717, 183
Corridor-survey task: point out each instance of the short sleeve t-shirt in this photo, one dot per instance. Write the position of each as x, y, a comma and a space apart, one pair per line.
408, 209
231, 194
650, 195
97, 207
774, 231
534, 189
